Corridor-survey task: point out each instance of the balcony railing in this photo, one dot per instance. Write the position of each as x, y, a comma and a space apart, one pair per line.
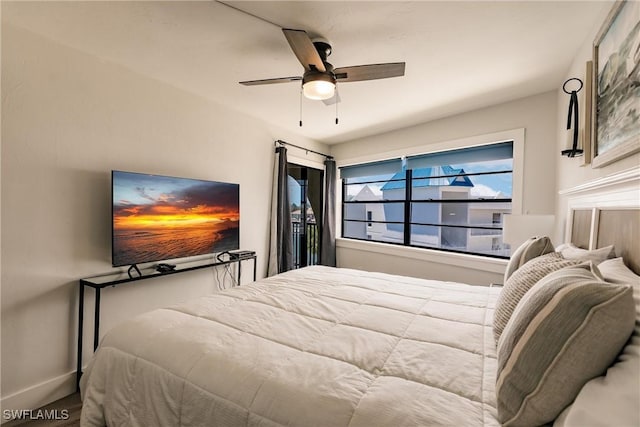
306, 244
486, 232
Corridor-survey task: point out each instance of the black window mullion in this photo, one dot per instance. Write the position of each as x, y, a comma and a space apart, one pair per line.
408, 185
378, 181
470, 226
375, 222
462, 201
367, 202
428, 201
467, 174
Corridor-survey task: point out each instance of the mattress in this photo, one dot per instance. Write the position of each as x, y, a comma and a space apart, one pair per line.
318, 346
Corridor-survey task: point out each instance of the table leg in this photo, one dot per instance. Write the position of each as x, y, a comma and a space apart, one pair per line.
96, 324
80, 334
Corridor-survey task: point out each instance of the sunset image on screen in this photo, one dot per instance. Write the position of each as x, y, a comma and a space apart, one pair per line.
159, 218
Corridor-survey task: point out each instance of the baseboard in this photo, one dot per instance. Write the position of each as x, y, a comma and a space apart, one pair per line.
41, 394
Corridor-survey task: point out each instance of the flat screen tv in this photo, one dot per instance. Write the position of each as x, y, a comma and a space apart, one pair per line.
157, 218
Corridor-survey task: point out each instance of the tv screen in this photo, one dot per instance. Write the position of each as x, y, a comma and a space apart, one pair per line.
156, 218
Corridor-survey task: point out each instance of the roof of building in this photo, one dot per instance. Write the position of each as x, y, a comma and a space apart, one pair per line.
423, 178
364, 194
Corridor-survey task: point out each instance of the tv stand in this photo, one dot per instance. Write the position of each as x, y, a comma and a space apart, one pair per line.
118, 278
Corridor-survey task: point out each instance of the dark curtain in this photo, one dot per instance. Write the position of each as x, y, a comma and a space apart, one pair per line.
281, 244
328, 244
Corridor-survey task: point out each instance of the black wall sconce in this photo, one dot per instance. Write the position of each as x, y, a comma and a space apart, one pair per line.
573, 114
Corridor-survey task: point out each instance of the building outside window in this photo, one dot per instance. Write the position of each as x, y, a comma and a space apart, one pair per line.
495, 243
452, 200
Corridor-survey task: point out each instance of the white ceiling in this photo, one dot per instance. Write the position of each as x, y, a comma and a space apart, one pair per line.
460, 55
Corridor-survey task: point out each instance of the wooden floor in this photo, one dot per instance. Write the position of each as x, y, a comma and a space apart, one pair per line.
71, 403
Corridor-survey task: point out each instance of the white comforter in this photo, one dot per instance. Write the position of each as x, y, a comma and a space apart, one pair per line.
313, 347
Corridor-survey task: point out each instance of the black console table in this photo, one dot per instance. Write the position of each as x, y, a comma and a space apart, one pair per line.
114, 279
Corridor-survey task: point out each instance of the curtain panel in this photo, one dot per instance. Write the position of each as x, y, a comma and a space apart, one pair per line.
281, 243
328, 242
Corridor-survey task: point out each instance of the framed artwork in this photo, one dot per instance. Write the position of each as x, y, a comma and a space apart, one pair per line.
616, 85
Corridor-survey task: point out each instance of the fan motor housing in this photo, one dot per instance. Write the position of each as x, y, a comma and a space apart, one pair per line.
314, 75
323, 47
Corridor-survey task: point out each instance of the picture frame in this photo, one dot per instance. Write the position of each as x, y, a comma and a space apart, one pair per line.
616, 86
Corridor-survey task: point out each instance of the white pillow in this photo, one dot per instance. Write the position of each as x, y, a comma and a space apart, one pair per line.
571, 251
612, 399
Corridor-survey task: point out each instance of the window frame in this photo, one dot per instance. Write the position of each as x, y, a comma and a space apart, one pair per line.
516, 136
408, 222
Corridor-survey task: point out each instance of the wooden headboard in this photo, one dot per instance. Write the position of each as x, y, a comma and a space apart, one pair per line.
596, 228
607, 212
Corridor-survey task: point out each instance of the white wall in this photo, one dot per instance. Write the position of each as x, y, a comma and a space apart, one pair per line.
570, 173
536, 114
68, 119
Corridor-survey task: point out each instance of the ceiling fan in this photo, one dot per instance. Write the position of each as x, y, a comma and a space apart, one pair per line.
320, 78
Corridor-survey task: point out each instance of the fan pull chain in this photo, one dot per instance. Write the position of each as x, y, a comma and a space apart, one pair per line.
337, 98
300, 106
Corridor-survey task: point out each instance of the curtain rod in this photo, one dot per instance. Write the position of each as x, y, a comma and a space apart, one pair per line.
279, 141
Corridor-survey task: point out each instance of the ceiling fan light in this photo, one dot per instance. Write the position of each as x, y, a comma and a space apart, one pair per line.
318, 89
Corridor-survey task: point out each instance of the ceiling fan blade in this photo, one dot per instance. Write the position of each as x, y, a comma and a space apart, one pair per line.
369, 72
271, 81
333, 100
304, 49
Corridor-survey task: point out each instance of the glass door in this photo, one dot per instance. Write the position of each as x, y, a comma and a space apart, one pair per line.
306, 201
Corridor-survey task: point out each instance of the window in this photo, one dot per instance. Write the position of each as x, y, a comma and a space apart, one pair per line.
451, 200
495, 243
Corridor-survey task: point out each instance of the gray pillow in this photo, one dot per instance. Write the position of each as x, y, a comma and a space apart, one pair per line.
571, 251
565, 331
520, 282
534, 247
615, 271
612, 399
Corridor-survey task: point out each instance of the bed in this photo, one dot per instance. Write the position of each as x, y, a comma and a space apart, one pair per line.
312, 347
319, 346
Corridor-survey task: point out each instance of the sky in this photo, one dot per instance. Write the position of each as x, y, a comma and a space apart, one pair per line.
490, 185
143, 201
484, 185
295, 192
